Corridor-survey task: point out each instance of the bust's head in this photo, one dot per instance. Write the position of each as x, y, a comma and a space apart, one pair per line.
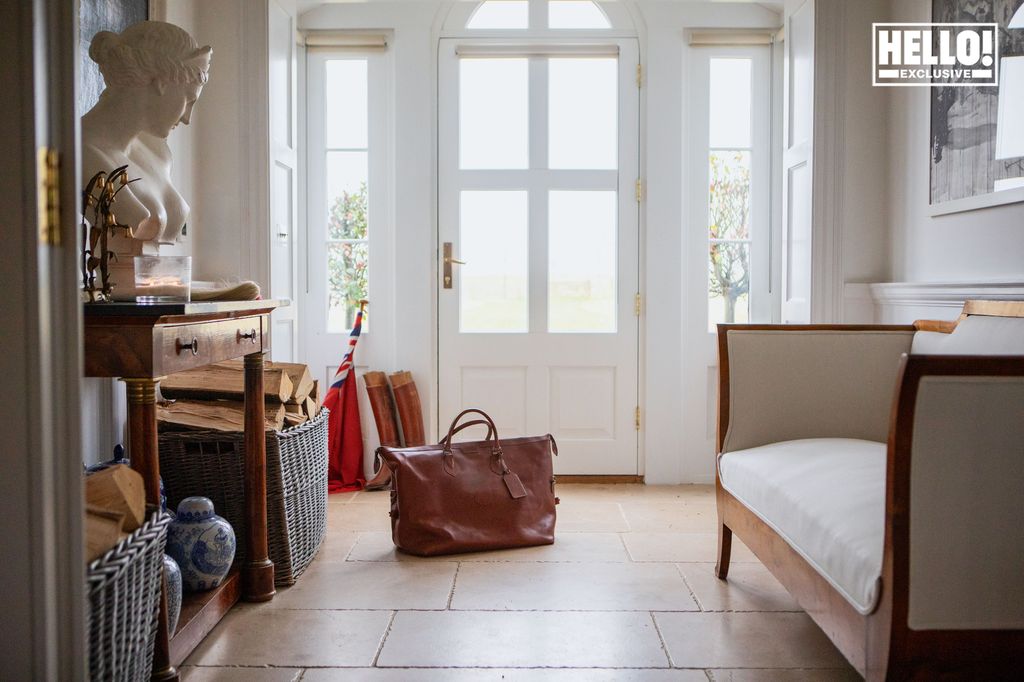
160, 65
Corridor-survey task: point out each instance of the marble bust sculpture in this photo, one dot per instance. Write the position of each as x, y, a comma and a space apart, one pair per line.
153, 72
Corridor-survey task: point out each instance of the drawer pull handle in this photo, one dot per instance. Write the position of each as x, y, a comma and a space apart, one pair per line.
193, 346
251, 335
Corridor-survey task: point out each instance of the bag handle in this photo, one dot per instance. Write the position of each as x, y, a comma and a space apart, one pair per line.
447, 441
475, 422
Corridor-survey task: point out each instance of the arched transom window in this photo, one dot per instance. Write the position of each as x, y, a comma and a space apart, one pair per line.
559, 16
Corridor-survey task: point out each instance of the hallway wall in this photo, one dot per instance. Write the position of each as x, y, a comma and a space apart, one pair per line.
980, 245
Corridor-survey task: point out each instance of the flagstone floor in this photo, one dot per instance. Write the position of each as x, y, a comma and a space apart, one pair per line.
625, 593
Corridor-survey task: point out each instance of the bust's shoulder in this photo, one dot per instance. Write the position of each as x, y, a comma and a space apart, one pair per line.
151, 146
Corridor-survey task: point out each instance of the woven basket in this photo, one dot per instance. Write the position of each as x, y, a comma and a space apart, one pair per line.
123, 589
212, 464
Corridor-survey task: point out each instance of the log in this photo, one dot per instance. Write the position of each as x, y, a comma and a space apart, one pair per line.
293, 408
226, 382
119, 489
298, 374
216, 415
315, 394
295, 419
102, 531
309, 408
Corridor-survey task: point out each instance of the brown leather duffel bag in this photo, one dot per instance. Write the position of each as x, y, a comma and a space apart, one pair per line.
472, 496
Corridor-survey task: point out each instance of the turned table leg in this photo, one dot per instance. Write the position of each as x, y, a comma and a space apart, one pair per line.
143, 449
258, 571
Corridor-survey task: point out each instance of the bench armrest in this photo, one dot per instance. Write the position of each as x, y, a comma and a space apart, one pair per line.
954, 516
785, 382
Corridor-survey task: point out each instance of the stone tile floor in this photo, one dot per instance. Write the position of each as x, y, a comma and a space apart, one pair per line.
626, 593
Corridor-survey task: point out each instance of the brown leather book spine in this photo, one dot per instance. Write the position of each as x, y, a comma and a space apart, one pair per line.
410, 411
383, 409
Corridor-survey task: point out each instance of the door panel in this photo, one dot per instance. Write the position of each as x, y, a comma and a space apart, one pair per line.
797, 159
538, 327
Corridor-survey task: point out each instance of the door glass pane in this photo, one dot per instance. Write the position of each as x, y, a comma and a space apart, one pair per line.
729, 195
582, 250
576, 14
346, 195
494, 105
583, 113
346, 96
348, 283
493, 241
728, 283
347, 238
730, 99
501, 14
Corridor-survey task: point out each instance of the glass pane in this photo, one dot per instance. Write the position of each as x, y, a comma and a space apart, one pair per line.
729, 195
729, 115
576, 14
347, 282
728, 283
494, 105
582, 249
493, 242
583, 113
346, 195
501, 14
346, 95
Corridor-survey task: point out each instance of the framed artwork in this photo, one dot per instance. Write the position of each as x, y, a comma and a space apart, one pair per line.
96, 16
970, 168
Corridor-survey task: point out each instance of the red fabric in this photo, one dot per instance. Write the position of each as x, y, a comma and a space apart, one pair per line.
345, 445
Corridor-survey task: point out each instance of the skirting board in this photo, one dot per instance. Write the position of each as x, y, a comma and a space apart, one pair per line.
571, 478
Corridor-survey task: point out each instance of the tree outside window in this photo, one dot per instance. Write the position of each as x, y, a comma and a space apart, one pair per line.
729, 233
348, 255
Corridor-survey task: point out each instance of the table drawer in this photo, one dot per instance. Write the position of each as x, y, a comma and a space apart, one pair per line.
193, 345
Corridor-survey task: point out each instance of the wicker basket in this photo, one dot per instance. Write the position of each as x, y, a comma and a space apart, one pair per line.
123, 589
212, 464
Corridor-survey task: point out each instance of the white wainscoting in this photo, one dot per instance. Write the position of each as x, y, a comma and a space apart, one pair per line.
904, 302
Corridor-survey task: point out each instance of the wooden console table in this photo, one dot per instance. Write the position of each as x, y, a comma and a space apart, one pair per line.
140, 344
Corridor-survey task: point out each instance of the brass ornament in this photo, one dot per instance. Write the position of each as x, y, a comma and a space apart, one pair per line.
99, 195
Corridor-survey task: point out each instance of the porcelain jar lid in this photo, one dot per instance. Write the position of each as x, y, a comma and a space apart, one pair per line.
195, 509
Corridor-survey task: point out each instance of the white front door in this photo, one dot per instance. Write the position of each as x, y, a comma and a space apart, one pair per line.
538, 157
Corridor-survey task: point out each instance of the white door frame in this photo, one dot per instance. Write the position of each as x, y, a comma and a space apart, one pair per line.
629, 48
42, 623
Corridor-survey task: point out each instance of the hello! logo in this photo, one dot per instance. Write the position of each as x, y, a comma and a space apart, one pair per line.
935, 54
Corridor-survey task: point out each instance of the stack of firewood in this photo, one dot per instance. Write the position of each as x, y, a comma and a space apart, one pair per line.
212, 397
115, 505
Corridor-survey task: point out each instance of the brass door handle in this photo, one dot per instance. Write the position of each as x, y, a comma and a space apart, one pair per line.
448, 262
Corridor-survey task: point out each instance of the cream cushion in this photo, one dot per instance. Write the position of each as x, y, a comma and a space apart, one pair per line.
826, 498
975, 335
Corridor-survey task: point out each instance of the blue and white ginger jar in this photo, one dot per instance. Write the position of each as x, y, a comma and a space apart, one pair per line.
202, 543
173, 575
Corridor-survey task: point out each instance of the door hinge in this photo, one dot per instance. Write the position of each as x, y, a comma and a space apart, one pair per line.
639, 75
637, 304
48, 168
639, 189
636, 418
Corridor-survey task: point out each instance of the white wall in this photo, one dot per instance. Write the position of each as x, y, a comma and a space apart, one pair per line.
674, 377
986, 244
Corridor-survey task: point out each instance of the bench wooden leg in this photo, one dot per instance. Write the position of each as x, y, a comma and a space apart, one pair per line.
724, 550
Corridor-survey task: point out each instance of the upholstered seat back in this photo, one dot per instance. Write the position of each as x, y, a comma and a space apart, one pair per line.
974, 335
